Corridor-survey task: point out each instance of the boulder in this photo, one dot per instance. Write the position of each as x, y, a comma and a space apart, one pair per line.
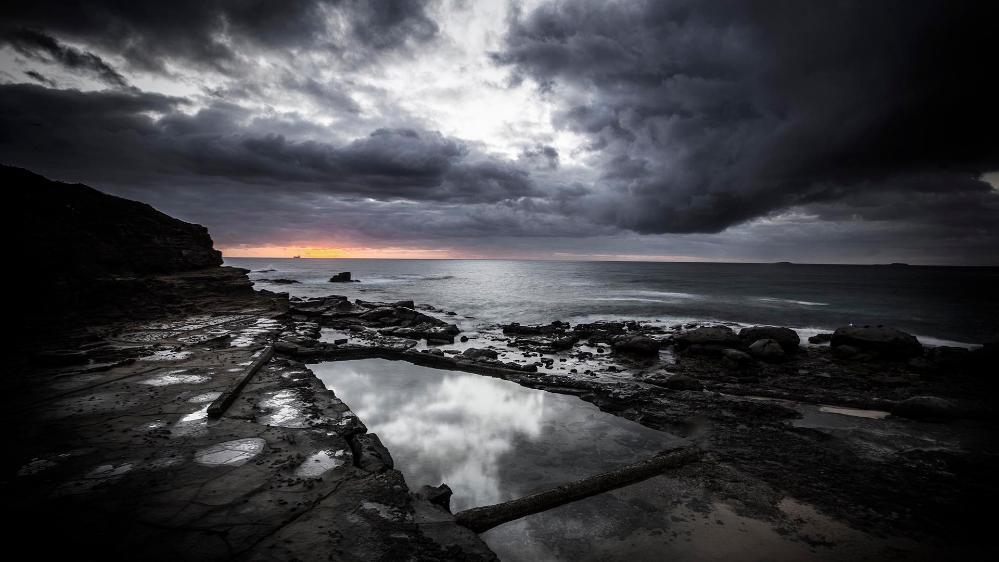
887, 342
676, 382
369, 453
341, 278
636, 345
926, 407
735, 358
767, 350
516, 329
716, 336
845, 351
820, 338
786, 337
562, 344
476, 354
437, 495
281, 281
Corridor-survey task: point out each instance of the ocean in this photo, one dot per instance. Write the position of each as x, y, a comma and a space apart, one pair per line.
940, 305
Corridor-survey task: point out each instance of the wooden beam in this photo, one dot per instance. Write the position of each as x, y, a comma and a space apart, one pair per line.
481, 519
222, 403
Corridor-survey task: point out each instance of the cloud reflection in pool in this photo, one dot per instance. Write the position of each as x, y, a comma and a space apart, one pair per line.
490, 440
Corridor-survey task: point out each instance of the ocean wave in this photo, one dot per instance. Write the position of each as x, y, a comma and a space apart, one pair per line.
436, 277
668, 294
628, 299
791, 301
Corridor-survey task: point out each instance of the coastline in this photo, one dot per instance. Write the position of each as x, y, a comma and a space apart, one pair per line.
742, 410
122, 446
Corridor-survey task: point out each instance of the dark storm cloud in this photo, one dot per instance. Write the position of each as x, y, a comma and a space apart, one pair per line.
213, 33
389, 24
40, 46
703, 115
542, 156
40, 78
867, 124
129, 136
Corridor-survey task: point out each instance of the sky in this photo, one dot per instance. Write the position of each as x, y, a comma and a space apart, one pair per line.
843, 131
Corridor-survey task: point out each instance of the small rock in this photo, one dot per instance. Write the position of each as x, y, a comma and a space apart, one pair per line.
341, 278
767, 350
676, 382
476, 354
437, 495
371, 455
926, 407
636, 345
561, 344
735, 358
820, 338
845, 351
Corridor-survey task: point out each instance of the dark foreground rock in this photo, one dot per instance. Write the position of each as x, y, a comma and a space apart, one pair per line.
636, 345
767, 350
718, 337
786, 337
885, 341
111, 449
927, 407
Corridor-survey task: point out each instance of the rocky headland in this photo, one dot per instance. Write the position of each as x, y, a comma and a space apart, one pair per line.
114, 451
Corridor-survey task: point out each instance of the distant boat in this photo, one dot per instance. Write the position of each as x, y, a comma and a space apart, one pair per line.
296, 257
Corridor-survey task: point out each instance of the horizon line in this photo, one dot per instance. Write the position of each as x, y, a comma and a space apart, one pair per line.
782, 262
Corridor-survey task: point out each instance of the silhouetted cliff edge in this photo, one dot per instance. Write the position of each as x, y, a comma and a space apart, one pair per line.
78, 252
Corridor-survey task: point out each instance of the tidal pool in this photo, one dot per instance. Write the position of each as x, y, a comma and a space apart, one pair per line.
492, 440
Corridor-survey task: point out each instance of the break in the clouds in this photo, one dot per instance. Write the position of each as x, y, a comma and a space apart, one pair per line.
828, 131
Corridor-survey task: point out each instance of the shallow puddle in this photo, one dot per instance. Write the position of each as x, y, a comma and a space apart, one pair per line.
855, 412
175, 377
230, 453
320, 463
166, 355
490, 440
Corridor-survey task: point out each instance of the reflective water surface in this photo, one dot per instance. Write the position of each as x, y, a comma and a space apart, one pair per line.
493, 440
490, 440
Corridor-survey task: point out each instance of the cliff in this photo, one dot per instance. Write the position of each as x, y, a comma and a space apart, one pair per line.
78, 251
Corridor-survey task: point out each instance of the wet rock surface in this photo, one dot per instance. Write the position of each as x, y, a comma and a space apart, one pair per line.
753, 415
305, 468
111, 448
112, 453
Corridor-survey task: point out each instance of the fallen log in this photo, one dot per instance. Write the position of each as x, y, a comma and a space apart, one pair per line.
222, 403
481, 519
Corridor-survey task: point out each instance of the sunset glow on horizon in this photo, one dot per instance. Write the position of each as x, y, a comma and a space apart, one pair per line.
395, 252
317, 251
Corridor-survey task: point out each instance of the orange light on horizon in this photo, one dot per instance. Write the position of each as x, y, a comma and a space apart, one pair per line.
316, 251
